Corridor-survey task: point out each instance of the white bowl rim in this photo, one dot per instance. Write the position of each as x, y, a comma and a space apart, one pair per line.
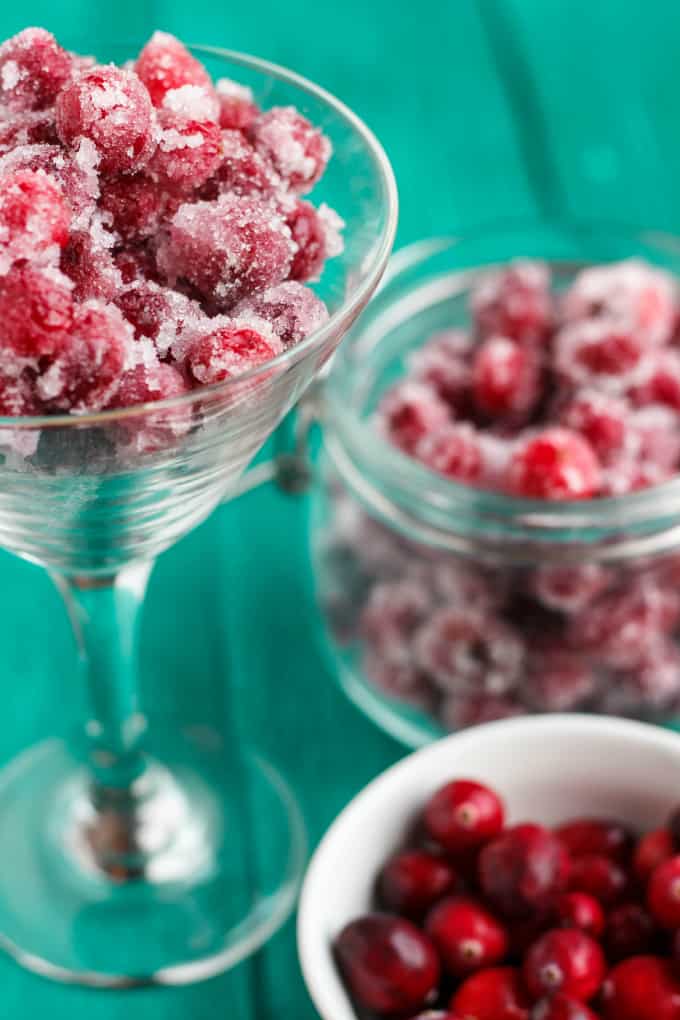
313, 953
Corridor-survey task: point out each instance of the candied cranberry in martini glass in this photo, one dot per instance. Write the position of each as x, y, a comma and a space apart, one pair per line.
174, 272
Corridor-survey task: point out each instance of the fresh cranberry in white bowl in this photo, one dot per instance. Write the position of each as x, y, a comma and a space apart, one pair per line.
522, 870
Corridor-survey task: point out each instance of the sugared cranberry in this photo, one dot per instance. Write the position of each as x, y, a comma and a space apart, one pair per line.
522, 871
652, 850
555, 464
410, 411
36, 310
110, 107
598, 353
641, 988
165, 64
292, 310
566, 961
189, 146
579, 910
559, 679
33, 69
630, 932
600, 877
33, 215
602, 419
442, 364
467, 937
135, 205
243, 170
227, 248
453, 451
158, 429
585, 836
75, 174
238, 109
317, 234
495, 994
505, 378
389, 965
413, 881
663, 893
568, 588
463, 814
297, 151
228, 351
562, 1007
660, 383
27, 128
514, 302
88, 263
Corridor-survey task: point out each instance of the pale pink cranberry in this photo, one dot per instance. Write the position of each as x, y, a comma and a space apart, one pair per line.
467, 937
392, 614
189, 146
555, 464
228, 351
641, 988
466, 653
36, 311
134, 205
33, 215
505, 378
87, 370
567, 588
292, 310
631, 294
514, 302
409, 411
238, 109
565, 961
88, 262
454, 451
388, 964
165, 64
602, 419
295, 148
522, 871
559, 680
318, 236
33, 70
657, 432
110, 107
653, 849
30, 127
579, 910
463, 815
494, 994
228, 248
414, 880
459, 711
630, 932
598, 353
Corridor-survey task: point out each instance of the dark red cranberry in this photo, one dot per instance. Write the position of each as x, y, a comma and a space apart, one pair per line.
579, 910
674, 827
524, 933
663, 893
562, 1007
463, 814
641, 988
496, 994
653, 849
599, 877
567, 961
585, 836
630, 932
412, 882
389, 965
523, 870
467, 937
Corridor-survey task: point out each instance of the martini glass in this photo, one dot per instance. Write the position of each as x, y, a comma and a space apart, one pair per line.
126, 857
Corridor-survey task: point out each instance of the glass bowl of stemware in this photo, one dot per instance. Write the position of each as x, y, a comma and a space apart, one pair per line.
125, 852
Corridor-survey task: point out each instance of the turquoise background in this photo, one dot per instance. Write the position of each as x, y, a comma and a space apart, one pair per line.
487, 110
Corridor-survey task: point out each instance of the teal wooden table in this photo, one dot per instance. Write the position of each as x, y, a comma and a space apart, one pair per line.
487, 109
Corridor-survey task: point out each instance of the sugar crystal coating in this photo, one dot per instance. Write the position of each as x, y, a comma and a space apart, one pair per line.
33, 216
293, 311
188, 150
33, 69
238, 109
36, 311
165, 64
298, 152
228, 351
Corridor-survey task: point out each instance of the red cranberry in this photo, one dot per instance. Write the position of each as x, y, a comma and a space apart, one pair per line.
567, 961
410, 411
585, 836
413, 881
641, 988
389, 965
33, 69
663, 893
579, 910
298, 152
556, 464
630, 932
111, 107
561, 1007
165, 64
463, 814
514, 302
505, 378
228, 351
36, 310
453, 451
496, 994
523, 870
467, 937
600, 877
653, 849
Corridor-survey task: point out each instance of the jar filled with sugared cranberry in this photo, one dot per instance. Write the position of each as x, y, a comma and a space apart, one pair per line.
497, 526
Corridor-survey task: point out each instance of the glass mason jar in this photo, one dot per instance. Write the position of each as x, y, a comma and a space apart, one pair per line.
447, 605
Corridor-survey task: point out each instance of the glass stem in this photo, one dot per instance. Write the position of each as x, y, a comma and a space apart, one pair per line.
105, 613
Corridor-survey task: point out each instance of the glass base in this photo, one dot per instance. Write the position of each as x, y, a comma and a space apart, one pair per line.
202, 872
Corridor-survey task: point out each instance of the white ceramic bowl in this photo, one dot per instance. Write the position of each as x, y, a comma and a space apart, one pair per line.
547, 769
